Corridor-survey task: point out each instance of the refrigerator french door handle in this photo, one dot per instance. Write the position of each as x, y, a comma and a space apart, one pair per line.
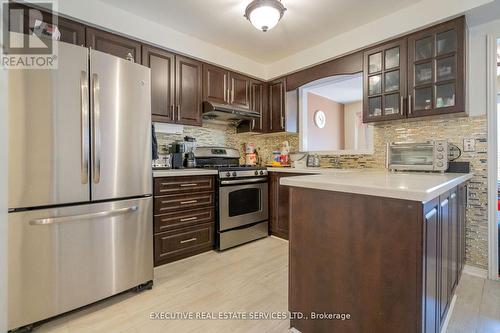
62, 219
96, 131
84, 104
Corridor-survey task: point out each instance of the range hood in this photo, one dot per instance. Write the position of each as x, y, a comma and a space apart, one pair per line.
214, 111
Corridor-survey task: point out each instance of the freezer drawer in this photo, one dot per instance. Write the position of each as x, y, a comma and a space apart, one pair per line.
64, 258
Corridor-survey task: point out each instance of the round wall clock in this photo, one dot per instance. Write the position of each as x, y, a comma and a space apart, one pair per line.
320, 119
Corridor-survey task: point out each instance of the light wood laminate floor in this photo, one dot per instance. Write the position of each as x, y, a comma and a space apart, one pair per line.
252, 277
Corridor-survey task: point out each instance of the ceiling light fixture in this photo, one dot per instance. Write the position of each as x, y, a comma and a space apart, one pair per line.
265, 14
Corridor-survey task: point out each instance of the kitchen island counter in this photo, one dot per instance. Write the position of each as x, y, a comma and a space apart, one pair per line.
414, 186
386, 248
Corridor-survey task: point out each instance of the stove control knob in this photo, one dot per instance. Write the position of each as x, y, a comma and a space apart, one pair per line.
261, 172
256, 173
228, 174
234, 174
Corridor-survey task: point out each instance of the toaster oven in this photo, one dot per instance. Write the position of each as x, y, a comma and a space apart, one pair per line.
418, 156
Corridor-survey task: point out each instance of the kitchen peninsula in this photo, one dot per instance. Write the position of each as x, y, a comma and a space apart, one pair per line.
385, 248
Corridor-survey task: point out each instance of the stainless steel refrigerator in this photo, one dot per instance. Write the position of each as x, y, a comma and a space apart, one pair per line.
80, 206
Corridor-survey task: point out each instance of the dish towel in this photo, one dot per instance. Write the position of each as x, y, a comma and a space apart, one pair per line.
155, 142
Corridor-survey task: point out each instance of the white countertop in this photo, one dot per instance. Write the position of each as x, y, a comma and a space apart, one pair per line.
312, 170
408, 186
183, 172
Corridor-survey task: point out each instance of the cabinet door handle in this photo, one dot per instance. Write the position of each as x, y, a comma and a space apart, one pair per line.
189, 219
409, 104
178, 112
189, 185
402, 103
226, 96
172, 108
188, 202
188, 240
431, 214
282, 122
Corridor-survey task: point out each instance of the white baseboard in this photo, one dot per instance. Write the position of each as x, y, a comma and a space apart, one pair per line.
448, 315
476, 271
281, 239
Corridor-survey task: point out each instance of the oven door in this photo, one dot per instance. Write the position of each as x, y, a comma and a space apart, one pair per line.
242, 203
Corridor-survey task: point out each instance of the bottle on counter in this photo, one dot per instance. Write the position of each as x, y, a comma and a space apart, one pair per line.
285, 153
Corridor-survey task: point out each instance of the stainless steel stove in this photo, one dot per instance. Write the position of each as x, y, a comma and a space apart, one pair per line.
242, 201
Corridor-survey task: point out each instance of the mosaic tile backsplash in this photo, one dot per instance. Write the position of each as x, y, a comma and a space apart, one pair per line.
452, 129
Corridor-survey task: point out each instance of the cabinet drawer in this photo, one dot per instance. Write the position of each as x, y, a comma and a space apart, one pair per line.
178, 185
182, 219
185, 202
182, 243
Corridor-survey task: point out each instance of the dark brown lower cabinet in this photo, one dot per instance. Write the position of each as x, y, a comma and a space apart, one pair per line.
430, 266
279, 204
444, 219
391, 264
444, 254
184, 217
182, 243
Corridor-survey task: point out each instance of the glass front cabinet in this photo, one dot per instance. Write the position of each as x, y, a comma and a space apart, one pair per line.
420, 75
384, 82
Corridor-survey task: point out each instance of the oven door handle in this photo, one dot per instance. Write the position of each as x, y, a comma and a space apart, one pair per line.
244, 181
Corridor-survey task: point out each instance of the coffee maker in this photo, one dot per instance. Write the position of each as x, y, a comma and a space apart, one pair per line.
178, 150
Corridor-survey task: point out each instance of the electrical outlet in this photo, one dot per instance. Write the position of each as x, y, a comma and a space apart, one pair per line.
469, 145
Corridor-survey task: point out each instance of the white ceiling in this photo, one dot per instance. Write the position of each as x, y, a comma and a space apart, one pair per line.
341, 89
306, 22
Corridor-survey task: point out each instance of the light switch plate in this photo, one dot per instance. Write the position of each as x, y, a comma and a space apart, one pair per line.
469, 145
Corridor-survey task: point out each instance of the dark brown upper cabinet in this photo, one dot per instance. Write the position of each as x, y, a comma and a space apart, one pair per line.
239, 91
221, 86
276, 110
258, 102
436, 70
113, 44
162, 64
215, 84
422, 74
188, 91
384, 82
175, 87
71, 32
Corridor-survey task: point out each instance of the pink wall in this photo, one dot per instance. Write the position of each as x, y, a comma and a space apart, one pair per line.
331, 137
